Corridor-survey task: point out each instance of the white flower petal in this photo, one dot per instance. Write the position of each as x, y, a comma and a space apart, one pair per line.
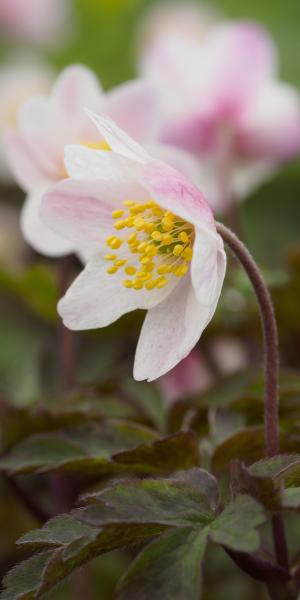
85, 163
117, 139
208, 266
96, 299
170, 331
81, 211
38, 234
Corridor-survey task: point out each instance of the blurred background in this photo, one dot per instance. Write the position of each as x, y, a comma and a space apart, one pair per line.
106, 35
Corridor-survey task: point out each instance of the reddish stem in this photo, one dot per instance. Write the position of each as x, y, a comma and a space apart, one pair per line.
271, 363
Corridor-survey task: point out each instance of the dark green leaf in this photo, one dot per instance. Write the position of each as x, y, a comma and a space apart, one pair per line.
180, 501
235, 527
110, 446
169, 568
291, 498
248, 445
22, 581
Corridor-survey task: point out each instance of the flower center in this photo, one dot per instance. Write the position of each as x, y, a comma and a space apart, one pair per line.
161, 245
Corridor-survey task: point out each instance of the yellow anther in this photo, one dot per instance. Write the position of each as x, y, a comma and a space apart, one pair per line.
188, 253
148, 267
116, 214
120, 263
169, 215
130, 270
110, 239
128, 203
142, 246
157, 236
156, 211
112, 270
162, 270
150, 285
150, 204
183, 237
110, 256
151, 250
116, 243
167, 224
131, 238
181, 270
161, 282
119, 224
177, 250
149, 227
129, 221
168, 239
139, 223
127, 283
137, 284
144, 260
137, 208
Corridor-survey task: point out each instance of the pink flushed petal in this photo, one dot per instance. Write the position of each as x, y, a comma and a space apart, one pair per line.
237, 59
96, 299
270, 126
170, 189
118, 140
27, 170
208, 267
76, 88
80, 211
196, 132
39, 235
134, 107
170, 331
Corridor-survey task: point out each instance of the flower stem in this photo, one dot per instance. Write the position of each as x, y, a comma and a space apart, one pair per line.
271, 365
67, 349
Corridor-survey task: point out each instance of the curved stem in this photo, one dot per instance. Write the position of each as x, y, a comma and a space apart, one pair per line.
270, 337
271, 365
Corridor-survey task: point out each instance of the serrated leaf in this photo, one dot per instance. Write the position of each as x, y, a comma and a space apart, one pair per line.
174, 502
263, 479
235, 527
131, 512
22, 581
167, 568
248, 445
110, 446
284, 467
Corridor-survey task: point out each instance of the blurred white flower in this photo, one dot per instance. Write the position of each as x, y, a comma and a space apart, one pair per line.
19, 80
35, 147
222, 101
184, 18
41, 22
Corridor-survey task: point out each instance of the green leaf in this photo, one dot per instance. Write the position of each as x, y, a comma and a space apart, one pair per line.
22, 581
167, 568
110, 446
178, 501
248, 445
263, 479
235, 527
290, 498
134, 512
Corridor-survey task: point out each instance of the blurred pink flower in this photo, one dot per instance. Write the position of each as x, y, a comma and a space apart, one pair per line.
19, 79
42, 22
222, 102
152, 245
191, 376
35, 149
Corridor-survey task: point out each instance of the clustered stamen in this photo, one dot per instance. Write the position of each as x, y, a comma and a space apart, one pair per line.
161, 244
